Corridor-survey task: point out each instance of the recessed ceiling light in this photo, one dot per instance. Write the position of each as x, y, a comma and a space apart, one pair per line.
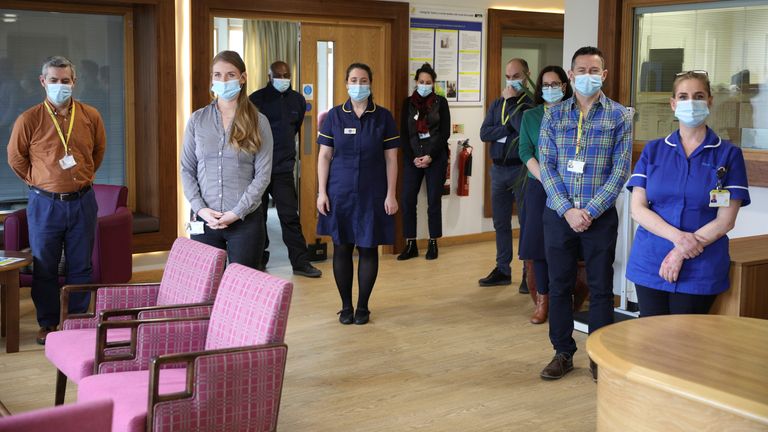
9, 20
9, 15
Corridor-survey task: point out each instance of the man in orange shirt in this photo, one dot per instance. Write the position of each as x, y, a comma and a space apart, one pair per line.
56, 147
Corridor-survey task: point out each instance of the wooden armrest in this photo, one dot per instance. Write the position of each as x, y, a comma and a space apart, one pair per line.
134, 312
66, 290
189, 359
101, 337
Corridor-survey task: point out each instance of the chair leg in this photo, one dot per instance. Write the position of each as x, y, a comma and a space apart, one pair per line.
61, 387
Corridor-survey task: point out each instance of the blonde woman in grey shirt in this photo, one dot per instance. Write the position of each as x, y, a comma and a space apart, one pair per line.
226, 164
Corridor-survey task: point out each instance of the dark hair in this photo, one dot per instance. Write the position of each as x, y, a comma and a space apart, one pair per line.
522, 62
587, 50
362, 66
567, 93
701, 76
427, 69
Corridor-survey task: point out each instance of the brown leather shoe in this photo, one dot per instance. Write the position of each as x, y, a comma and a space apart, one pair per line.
561, 364
43, 333
542, 309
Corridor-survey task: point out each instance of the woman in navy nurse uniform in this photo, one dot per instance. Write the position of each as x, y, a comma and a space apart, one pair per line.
679, 260
357, 177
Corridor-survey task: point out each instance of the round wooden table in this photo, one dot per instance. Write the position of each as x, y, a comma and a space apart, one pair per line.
682, 373
9, 279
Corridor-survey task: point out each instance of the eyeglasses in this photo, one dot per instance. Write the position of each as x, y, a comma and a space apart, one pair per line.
551, 85
693, 72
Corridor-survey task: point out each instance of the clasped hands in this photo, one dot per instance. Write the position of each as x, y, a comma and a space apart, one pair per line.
687, 246
422, 162
578, 219
217, 220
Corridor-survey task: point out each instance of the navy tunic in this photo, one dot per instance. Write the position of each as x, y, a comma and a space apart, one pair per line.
357, 178
677, 189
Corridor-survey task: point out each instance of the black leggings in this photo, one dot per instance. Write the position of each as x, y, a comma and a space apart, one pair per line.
657, 302
367, 270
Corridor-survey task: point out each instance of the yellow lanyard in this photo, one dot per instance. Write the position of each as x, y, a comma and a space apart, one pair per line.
578, 132
503, 110
58, 128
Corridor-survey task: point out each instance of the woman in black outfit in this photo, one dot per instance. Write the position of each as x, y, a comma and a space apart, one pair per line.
424, 130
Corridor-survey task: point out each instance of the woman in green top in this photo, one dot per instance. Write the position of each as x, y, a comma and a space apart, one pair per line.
552, 86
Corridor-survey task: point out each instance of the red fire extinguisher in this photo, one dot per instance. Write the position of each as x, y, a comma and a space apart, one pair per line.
465, 168
447, 182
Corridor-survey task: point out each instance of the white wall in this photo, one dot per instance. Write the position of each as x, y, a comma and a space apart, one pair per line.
580, 27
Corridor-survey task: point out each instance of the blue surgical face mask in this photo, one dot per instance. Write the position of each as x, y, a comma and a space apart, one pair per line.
587, 85
226, 90
517, 84
359, 93
692, 113
281, 84
58, 93
424, 89
552, 94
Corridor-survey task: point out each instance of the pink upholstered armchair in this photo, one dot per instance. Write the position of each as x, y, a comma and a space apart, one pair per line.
222, 373
112, 258
93, 416
190, 280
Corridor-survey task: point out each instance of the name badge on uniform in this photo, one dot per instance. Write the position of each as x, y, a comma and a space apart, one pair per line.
350, 131
575, 166
719, 198
67, 162
424, 135
195, 227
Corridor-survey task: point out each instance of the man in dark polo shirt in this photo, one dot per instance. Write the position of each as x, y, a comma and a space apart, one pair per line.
285, 110
56, 147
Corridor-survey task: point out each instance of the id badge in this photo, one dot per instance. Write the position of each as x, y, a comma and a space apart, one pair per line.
195, 227
350, 131
424, 135
575, 166
67, 162
719, 198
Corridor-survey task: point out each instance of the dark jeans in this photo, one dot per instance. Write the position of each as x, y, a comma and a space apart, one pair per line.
283, 191
55, 225
505, 184
657, 302
412, 178
598, 246
243, 240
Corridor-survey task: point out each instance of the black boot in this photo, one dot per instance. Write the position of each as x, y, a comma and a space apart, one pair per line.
432, 250
411, 250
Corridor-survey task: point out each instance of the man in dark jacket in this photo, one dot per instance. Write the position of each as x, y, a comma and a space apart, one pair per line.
285, 110
501, 128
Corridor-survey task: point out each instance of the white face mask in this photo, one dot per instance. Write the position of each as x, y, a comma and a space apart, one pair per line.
58, 93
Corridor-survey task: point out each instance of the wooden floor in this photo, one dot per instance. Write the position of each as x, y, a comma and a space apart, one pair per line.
440, 354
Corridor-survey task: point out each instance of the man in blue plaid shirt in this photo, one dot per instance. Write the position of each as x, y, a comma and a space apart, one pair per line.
586, 150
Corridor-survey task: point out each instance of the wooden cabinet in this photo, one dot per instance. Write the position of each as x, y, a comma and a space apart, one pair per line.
748, 294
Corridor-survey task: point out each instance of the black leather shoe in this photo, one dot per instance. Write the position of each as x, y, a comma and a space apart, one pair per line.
308, 270
345, 315
431, 250
362, 316
593, 370
411, 251
524, 284
561, 364
43, 333
495, 278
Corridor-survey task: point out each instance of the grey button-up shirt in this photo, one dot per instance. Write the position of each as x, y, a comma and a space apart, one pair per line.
216, 175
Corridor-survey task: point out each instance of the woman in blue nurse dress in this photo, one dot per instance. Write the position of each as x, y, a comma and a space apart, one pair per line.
679, 260
357, 177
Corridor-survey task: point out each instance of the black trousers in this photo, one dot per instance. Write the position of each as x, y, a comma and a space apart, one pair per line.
657, 302
412, 179
283, 191
238, 239
598, 246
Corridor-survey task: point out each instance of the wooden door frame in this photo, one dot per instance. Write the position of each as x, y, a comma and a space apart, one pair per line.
395, 13
504, 23
615, 37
